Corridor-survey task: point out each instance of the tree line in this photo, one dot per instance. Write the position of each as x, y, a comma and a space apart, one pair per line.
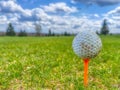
11, 32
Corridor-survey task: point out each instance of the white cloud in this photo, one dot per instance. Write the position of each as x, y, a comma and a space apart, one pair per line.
3, 19
16, 14
116, 11
59, 7
96, 15
72, 24
25, 18
10, 6
20, 17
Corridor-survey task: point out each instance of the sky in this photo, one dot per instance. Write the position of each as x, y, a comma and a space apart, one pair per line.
60, 15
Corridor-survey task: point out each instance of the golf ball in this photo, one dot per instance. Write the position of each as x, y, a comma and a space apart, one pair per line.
87, 44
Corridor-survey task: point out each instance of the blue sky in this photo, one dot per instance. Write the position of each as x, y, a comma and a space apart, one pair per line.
60, 15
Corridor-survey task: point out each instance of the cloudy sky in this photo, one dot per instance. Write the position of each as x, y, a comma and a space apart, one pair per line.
60, 15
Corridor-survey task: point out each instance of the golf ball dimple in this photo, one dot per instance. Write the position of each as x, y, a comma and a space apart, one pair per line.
87, 44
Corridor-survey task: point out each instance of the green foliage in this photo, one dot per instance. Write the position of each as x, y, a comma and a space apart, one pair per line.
10, 30
33, 63
104, 29
22, 33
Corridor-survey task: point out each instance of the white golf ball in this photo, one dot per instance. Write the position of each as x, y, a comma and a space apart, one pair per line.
87, 44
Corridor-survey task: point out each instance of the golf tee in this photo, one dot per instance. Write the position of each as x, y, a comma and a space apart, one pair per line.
86, 62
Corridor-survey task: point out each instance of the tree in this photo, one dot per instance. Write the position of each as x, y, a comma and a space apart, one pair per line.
49, 33
22, 33
66, 34
53, 34
10, 30
38, 29
104, 29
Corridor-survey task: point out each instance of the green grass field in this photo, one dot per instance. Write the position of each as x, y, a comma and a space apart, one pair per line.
49, 63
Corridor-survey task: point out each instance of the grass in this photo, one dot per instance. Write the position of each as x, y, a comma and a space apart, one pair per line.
49, 63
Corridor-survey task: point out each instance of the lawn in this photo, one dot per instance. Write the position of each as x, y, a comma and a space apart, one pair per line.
49, 63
